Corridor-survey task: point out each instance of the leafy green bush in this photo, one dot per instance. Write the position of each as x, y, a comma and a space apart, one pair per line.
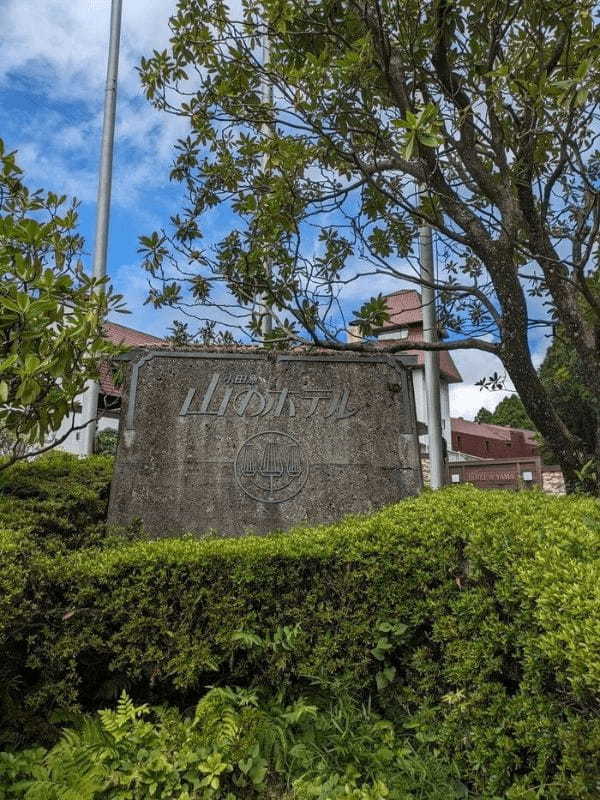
106, 442
468, 618
58, 500
234, 746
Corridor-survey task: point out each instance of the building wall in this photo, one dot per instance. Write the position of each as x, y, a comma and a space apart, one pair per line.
484, 446
549, 479
421, 405
75, 442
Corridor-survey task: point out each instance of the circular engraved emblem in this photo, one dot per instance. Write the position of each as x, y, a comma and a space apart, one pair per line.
271, 467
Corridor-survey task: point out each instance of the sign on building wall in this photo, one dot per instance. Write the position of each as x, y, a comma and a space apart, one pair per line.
498, 474
241, 442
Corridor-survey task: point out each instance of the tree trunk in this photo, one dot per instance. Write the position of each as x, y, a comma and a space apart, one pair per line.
570, 451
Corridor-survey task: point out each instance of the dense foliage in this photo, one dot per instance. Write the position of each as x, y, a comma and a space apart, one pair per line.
234, 745
467, 620
561, 373
477, 117
58, 502
509, 412
51, 313
106, 442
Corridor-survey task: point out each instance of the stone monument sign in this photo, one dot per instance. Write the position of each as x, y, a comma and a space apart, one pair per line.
251, 441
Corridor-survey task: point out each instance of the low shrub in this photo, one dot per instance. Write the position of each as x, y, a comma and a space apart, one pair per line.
235, 745
106, 442
58, 500
467, 618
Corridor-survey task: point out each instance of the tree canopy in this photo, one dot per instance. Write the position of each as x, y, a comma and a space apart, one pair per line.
510, 413
561, 374
51, 316
474, 117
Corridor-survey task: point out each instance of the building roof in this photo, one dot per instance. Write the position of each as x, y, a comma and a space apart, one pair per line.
121, 334
406, 311
448, 368
405, 308
488, 431
484, 429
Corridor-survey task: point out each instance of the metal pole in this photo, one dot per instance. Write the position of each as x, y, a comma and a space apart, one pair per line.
267, 92
432, 360
90, 398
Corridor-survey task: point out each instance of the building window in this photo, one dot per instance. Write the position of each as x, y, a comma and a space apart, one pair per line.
401, 333
487, 446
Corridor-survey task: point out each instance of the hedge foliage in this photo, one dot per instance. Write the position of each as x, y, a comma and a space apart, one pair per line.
58, 501
470, 618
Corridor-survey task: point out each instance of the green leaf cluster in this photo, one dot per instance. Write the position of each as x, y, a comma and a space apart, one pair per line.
51, 313
235, 745
509, 413
421, 128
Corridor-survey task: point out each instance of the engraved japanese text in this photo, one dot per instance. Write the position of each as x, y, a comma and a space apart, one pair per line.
221, 399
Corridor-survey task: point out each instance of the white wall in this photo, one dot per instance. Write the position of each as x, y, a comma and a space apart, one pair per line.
421, 406
75, 442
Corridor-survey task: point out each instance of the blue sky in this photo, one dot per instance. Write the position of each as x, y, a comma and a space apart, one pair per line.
52, 72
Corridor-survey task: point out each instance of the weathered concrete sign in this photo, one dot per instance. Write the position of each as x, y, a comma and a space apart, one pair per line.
251, 441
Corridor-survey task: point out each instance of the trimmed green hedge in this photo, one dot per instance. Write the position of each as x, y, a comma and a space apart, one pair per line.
58, 500
472, 617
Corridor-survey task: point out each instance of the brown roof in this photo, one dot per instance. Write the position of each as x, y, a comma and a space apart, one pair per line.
121, 334
405, 308
447, 366
502, 432
460, 425
406, 311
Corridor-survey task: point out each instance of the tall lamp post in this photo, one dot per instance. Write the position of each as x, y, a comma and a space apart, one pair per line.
90, 398
267, 93
432, 359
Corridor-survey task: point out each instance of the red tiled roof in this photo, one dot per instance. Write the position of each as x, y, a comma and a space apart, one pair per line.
405, 309
460, 425
120, 334
448, 368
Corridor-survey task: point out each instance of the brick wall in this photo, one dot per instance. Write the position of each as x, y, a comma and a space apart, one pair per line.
425, 470
485, 446
553, 481
552, 478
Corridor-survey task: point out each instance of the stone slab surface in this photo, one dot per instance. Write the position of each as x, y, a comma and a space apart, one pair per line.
254, 442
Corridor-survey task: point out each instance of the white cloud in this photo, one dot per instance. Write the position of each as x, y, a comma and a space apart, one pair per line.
466, 398
55, 51
62, 45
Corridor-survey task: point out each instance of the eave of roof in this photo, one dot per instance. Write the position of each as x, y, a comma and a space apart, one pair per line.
489, 431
